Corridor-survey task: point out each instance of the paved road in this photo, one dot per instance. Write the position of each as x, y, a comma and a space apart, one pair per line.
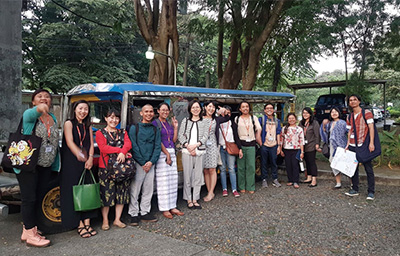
273, 221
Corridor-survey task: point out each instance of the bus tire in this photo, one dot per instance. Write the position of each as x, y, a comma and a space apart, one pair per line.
49, 210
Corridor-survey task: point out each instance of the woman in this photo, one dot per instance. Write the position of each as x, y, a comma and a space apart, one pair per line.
334, 133
292, 141
228, 131
193, 135
249, 133
211, 157
77, 155
111, 140
166, 167
311, 145
33, 184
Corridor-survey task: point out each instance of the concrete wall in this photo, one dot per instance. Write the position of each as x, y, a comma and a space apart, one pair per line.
10, 66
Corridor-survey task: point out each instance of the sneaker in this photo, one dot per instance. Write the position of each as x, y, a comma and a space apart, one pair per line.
149, 218
371, 196
225, 192
235, 193
264, 184
338, 185
135, 221
276, 183
352, 192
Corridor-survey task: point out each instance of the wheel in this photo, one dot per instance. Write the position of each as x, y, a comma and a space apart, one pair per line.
49, 210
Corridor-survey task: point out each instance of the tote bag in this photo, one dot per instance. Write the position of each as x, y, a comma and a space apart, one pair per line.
86, 196
22, 151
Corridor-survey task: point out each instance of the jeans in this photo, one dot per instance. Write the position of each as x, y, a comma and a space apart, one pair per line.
268, 159
370, 175
228, 161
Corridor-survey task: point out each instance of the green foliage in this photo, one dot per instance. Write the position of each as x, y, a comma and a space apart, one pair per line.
394, 113
357, 86
96, 43
390, 143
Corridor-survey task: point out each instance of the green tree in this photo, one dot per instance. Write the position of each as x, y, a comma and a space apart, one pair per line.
66, 43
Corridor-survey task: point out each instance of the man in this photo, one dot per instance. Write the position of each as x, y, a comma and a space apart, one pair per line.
270, 136
146, 146
364, 128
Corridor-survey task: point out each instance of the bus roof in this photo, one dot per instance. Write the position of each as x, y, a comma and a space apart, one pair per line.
155, 89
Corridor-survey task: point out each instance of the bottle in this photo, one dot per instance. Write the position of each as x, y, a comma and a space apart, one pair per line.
301, 165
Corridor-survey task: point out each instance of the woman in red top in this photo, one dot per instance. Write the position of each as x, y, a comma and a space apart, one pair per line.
111, 140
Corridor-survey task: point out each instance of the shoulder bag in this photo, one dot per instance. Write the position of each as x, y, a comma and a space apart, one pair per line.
119, 171
22, 151
231, 147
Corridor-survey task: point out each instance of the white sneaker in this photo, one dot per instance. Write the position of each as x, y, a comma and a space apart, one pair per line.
264, 184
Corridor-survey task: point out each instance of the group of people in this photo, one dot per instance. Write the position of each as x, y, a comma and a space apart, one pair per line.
204, 136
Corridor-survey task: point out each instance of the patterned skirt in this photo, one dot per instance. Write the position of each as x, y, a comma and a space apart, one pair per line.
112, 192
167, 181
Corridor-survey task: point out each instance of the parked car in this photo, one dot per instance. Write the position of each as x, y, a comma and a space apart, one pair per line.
326, 102
378, 117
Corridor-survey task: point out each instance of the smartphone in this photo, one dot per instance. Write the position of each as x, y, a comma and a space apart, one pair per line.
166, 161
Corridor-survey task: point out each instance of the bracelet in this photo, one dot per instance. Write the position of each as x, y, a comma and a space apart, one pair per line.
90, 155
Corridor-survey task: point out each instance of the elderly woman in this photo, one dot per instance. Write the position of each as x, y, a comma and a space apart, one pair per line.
112, 140
33, 184
193, 135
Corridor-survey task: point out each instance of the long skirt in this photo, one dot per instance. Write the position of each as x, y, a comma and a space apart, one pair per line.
167, 181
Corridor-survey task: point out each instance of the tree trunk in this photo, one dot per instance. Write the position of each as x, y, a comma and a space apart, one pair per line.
158, 30
248, 64
277, 72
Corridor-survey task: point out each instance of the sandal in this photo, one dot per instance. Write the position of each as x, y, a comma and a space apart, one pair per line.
190, 205
91, 231
197, 206
86, 234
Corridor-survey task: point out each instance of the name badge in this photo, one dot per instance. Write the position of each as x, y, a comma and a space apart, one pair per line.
208, 143
248, 139
48, 149
271, 138
306, 141
352, 135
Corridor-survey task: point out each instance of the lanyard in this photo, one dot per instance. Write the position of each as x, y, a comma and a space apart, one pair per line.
47, 125
247, 125
305, 129
166, 129
209, 128
269, 126
79, 133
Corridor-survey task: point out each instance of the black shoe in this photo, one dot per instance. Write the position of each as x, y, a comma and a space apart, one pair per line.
312, 186
197, 207
135, 221
149, 218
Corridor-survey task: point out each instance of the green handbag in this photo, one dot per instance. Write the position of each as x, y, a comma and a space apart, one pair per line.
86, 196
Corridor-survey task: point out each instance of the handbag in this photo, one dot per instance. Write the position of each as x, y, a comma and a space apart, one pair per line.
326, 150
363, 154
86, 196
119, 171
231, 147
22, 151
